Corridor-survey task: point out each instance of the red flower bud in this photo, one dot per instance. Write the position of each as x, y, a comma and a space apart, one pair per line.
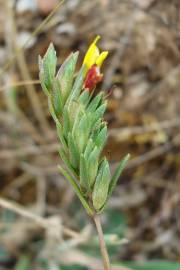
93, 77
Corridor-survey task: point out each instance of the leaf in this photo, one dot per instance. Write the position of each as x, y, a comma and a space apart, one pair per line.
65, 159
84, 173
73, 152
52, 111
82, 132
41, 76
65, 75
60, 135
77, 87
92, 164
57, 97
48, 67
117, 174
73, 267
101, 186
98, 114
77, 117
74, 109
66, 122
23, 263
94, 103
89, 148
84, 98
77, 191
154, 265
101, 138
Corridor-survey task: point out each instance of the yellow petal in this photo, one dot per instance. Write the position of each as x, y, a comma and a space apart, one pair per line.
92, 54
101, 58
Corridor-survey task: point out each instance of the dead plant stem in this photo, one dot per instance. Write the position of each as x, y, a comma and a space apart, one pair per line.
102, 244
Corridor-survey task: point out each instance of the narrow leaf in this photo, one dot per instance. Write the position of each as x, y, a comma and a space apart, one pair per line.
98, 113
89, 148
73, 152
100, 191
48, 67
83, 173
66, 122
57, 97
65, 159
41, 76
60, 135
92, 164
117, 174
84, 98
82, 132
77, 190
94, 103
101, 138
65, 75
52, 111
77, 87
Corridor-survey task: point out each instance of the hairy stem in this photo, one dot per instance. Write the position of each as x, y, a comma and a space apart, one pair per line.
102, 244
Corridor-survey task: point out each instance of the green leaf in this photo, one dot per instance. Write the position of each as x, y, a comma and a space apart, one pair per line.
65, 75
66, 122
73, 267
89, 148
23, 263
84, 98
117, 174
41, 76
82, 132
98, 114
101, 138
84, 173
94, 103
65, 159
154, 265
77, 117
57, 97
92, 164
77, 87
101, 186
73, 152
48, 67
52, 111
74, 109
77, 191
60, 135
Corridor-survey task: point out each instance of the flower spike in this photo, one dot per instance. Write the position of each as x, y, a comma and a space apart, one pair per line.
81, 129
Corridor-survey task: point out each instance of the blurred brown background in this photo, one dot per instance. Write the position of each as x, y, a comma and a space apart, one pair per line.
142, 79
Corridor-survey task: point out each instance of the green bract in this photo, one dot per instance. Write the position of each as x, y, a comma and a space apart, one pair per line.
81, 130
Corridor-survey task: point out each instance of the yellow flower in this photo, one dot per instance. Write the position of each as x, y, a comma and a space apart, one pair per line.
93, 56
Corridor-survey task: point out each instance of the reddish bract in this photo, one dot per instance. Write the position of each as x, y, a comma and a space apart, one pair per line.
93, 77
